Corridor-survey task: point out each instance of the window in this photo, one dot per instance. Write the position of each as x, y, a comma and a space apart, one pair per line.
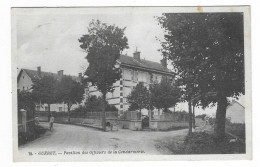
121, 106
141, 76
112, 94
60, 109
136, 76
46, 108
132, 75
121, 100
23, 77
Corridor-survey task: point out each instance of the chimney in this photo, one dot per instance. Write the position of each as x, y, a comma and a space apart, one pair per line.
39, 72
137, 55
164, 62
60, 73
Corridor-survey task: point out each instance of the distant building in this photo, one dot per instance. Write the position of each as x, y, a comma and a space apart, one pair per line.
25, 82
235, 112
134, 70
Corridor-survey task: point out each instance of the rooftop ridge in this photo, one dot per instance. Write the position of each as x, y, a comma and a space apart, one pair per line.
48, 72
143, 63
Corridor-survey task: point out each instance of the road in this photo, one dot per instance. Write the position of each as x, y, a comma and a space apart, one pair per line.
71, 137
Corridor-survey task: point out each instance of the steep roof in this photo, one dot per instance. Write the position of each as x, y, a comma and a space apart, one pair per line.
149, 65
234, 102
33, 74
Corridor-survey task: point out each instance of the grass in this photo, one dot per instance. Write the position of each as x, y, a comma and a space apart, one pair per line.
205, 143
236, 129
32, 134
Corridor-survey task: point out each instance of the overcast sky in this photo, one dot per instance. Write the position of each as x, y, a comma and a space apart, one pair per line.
50, 39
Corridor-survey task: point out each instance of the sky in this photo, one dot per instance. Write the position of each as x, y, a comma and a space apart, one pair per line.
49, 38
51, 41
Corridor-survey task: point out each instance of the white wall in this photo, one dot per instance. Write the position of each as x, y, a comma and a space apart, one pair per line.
24, 82
130, 79
236, 113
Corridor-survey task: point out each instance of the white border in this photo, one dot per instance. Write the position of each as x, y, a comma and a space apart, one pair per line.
139, 10
6, 144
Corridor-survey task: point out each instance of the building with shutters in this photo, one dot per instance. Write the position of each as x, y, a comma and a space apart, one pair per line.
134, 70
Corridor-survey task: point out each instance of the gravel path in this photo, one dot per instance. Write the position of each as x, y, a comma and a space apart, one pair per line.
71, 137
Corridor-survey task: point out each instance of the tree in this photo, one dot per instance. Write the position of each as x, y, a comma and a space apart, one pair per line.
164, 95
94, 104
44, 90
189, 92
103, 45
210, 48
25, 101
139, 97
70, 92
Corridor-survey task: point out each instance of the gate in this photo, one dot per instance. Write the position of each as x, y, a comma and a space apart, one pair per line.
145, 122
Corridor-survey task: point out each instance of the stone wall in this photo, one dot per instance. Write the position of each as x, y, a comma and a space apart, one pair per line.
130, 124
165, 125
83, 121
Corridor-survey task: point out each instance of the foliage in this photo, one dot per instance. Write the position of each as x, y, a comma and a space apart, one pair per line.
207, 51
237, 129
80, 109
204, 143
202, 116
139, 97
44, 89
133, 107
69, 91
94, 104
33, 133
164, 95
103, 45
25, 101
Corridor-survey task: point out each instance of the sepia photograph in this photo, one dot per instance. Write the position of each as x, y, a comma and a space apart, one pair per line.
131, 83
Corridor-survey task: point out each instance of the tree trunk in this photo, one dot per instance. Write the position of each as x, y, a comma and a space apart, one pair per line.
193, 116
190, 117
104, 112
174, 109
219, 129
49, 112
140, 113
68, 112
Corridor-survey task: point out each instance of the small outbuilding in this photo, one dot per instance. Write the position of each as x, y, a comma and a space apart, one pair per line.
235, 112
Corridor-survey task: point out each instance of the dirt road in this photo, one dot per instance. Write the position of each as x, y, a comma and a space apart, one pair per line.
70, 137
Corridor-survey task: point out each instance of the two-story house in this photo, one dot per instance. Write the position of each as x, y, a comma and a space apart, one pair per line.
134, 70
25, 81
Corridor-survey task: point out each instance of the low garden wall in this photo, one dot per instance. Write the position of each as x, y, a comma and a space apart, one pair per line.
130, 124
83, 121
166, 125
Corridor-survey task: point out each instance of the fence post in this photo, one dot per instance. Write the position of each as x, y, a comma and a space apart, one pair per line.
24, 120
